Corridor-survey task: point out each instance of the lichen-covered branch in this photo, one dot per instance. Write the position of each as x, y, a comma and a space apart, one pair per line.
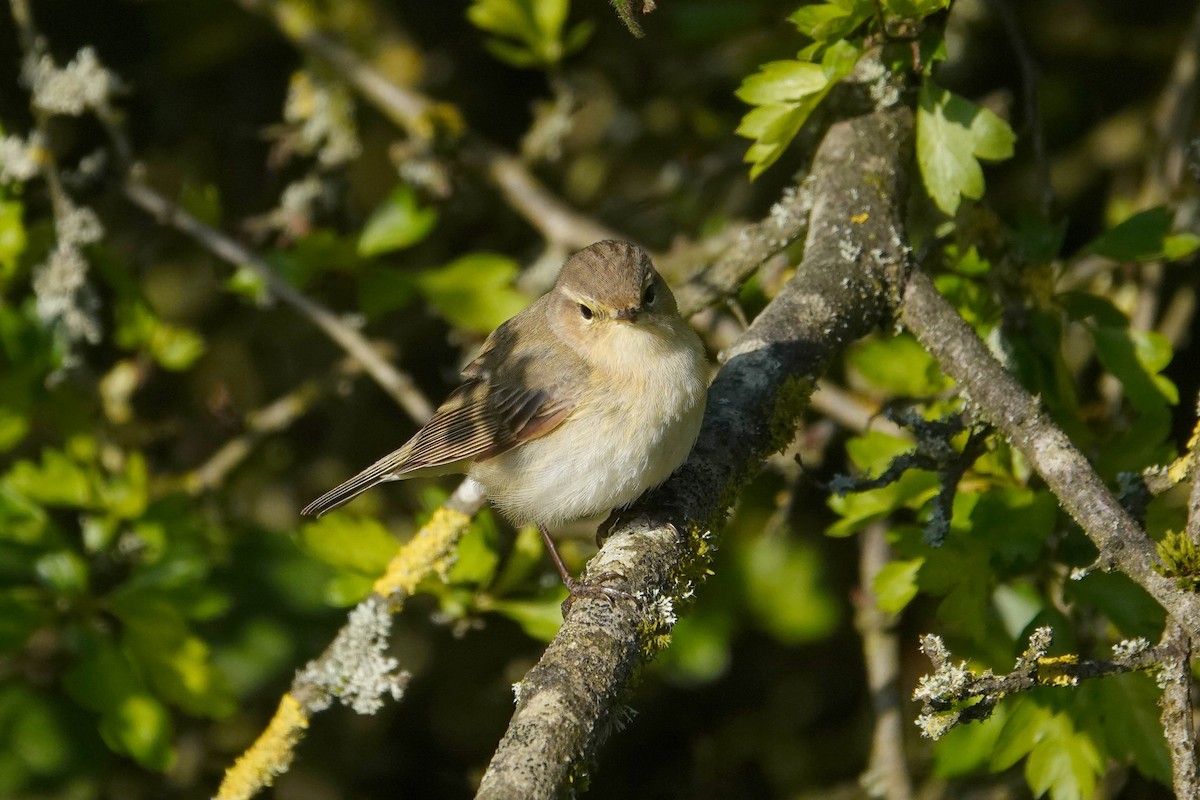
952, 694
571, 700
997, 397
1179, 725
354, 669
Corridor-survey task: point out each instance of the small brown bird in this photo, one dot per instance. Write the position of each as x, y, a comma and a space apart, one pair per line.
577, 405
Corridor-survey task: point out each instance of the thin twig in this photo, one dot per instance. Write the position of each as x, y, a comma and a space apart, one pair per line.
887, 772
1175, 113
273, 418
398, 385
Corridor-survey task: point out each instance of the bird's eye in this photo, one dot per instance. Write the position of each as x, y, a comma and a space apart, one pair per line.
585, 310
648, 295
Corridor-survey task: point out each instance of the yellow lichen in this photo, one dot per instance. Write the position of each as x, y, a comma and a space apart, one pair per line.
431, 550
270, 754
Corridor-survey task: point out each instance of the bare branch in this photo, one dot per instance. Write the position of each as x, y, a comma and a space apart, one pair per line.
570, 701
887, 772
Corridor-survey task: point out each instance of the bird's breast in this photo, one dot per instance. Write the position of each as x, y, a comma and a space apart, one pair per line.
636, 422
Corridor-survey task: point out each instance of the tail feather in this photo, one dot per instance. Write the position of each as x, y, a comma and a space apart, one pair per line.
383, 470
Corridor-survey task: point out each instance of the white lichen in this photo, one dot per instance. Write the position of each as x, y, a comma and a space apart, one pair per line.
19, 160
1128, 648
78, 226
64, 296
935, 726
356, 669
83, 84
948, 683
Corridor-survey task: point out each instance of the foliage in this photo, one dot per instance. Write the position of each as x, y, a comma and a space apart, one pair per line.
163, 415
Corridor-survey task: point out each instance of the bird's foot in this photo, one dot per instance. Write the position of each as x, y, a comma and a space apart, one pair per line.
592, 588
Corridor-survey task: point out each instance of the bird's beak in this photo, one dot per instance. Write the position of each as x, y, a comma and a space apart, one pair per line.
626, 314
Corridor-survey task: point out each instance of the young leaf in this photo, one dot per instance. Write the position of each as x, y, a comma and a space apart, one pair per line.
399, 222
531, 31
785, 93
828, 22
474, 292
952, 135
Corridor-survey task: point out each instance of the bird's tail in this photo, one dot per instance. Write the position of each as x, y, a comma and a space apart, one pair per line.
385, 469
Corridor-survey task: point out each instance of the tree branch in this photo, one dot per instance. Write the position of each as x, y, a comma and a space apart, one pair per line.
398, 385
1001, 400
887, 773
352, 668
570, 700
418, 114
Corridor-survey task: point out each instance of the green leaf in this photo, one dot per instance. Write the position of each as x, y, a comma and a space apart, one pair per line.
346, 542
1122, 710
1061, 760
968, 748
139, 328
533, 30
64, 571
131, 721
896, 584
174, 659
399, 222
782, 81
952, 135
785, 590
915, 9
39, 735
828, 22
1014, 524
1136, 358
203, 202
1144, 237
12, 237
540, 619
140, 726
899, 366
474, 292
58, 481
21, 611
1064, 762
475, 557
384, 289
786, 92
1126, 604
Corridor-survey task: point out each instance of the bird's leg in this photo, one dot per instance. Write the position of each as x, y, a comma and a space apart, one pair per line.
578, 588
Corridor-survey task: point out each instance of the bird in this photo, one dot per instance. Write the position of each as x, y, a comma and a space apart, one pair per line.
574, 407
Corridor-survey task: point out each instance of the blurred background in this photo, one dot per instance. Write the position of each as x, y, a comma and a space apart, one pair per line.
141, 557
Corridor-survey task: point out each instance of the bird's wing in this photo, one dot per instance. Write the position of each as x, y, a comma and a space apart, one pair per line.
480, 419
